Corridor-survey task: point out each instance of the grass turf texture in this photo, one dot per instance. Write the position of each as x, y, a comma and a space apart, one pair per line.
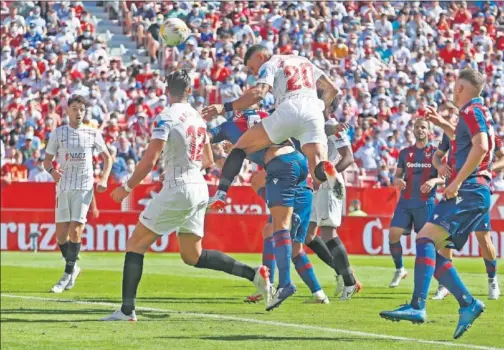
179, 294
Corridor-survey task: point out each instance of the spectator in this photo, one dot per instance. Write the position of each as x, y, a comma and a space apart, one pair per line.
125, 151
119, 167
38, 173
355, 208
367, 155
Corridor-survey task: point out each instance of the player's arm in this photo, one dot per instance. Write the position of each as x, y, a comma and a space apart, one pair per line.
399, 173
94, 208
99, 144
444, 170
433, 116
51, 150
334, 128
208, 159
251, 97
346, 160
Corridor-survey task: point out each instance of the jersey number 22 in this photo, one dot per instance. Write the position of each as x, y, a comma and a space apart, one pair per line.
298, 77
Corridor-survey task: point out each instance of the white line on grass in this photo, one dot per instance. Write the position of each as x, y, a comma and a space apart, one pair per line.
263, 322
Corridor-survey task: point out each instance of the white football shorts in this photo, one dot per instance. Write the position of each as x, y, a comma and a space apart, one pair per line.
327, 209
177, 209
73, 205
301, 118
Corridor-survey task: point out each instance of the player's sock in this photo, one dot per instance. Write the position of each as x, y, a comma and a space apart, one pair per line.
320, 248
71, 256
425, 264
231, 168
491, 267
447, 275
215, 260
283, 254
305, 270
268, 257
396, 252
132, 273
340, 260
63, 248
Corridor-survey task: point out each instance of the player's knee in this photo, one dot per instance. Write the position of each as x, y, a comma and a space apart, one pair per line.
395, 235
267, 230
189, 258
446, 253
319, 172
311, 233
328, 232
297, 248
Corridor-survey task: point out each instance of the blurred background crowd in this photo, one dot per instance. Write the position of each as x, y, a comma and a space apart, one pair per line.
390, 60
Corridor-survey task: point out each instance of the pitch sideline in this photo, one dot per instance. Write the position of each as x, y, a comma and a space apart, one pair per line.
263, 322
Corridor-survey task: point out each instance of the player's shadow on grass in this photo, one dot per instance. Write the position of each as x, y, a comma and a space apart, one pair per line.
279, 338
178, 300
53, 311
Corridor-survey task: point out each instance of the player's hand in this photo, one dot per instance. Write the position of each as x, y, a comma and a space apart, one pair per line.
445, 171
56, 175
451, 191
400, 183
342, 127
427, 186
210, 112
101, 186
119, 194
95, 213
433, 116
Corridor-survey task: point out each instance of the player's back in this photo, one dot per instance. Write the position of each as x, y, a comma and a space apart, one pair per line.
293, 77
185, 140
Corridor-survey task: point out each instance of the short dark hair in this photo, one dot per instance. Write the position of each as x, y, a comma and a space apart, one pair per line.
475, 78
178, 82
252, 50
76, 99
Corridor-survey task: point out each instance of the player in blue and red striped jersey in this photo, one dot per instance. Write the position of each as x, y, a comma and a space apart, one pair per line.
466, 201
289, 198
417, 179
482, 231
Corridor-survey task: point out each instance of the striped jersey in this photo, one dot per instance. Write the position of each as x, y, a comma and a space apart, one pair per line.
185, 133
73, 149
290, 77
417, 168
474, 118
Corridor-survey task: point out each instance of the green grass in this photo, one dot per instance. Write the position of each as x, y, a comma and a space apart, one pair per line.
198, 309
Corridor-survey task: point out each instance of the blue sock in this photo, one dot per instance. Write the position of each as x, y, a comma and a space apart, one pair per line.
447, 276
425, 264
268, 257
305, 270
283, 254
491, 268
396, 252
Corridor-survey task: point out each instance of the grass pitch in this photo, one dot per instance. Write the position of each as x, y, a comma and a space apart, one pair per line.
180, 307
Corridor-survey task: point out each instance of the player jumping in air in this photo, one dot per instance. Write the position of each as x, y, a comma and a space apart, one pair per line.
326, 213
73, 144
482, 231
417, 179
181, 134
299, 113
466, 201
289, 200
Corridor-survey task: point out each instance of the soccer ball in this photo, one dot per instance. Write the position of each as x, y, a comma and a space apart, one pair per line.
174, 32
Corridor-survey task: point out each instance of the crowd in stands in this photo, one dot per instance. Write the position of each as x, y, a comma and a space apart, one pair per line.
389, 59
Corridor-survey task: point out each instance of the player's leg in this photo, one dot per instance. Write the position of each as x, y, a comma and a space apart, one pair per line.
251, 141
74, 245
489, 257
141, 239
441, 291
62, 237
304, 268
317, 244
401, 223
451, 225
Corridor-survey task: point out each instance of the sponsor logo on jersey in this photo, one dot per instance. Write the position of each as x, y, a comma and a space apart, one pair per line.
75, 156
418, 165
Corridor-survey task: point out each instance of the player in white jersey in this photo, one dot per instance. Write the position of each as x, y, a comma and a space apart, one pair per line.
73, 146
327, 209
299, 113
181, 134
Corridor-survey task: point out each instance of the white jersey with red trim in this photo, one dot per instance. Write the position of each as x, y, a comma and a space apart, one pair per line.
185, 133
290, 76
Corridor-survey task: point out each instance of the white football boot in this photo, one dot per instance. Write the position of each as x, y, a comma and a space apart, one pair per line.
262, 283
119, 316
62, 283
73, 277
399, 275
340, 284
441, 293
493, 289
